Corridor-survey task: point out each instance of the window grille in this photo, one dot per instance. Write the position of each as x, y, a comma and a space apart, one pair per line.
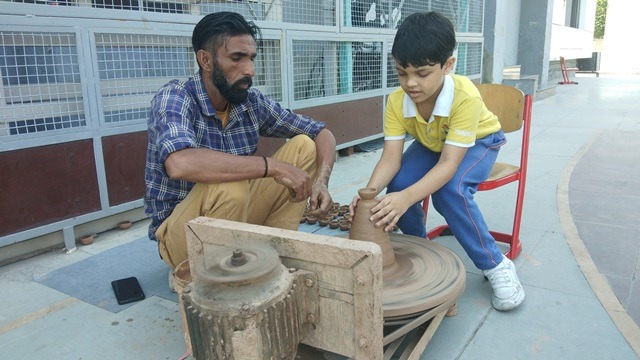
466, 15
41, 87
132, 67
469, 59
316, 67
151, 6
268, 71
392, 73
307, 12
48, 94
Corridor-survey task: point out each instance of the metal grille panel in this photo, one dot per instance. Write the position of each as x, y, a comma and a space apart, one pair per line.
132, 67
392, 73
268, 77
466, 15
308, 12
316, 67
469, 59
41, 87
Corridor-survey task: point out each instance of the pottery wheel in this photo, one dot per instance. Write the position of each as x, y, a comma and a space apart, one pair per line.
221, 267
424, 275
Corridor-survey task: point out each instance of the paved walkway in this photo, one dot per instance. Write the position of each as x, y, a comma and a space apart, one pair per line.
578, 265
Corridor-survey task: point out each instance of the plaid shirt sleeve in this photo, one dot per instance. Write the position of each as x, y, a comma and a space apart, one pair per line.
170, 124
276, 121
169, 130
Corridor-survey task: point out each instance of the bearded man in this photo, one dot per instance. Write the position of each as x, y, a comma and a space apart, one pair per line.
203, 135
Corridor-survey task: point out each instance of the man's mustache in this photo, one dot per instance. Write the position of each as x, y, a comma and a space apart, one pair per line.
244, 81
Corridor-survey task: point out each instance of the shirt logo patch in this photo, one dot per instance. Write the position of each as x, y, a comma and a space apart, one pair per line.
444, 131
462, 132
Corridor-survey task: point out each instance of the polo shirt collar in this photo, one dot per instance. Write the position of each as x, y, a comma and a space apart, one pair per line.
443, 102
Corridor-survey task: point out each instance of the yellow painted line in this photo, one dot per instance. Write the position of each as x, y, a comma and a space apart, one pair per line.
598, 283
26, 319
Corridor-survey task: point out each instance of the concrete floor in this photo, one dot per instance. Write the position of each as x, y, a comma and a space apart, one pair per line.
578, 266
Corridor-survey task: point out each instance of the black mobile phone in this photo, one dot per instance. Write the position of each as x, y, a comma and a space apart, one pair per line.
127, 290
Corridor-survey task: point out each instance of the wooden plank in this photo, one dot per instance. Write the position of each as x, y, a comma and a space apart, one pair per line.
349, 274
426, 337
393, 347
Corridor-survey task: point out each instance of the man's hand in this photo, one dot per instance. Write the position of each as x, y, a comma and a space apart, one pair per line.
295, 180
320, 201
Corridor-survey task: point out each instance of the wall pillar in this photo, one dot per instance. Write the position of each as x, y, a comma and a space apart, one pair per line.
495, 29
534, 39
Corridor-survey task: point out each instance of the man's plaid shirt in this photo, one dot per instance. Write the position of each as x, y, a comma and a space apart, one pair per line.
182, 116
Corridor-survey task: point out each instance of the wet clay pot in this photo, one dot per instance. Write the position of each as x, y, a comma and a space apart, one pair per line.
364, 229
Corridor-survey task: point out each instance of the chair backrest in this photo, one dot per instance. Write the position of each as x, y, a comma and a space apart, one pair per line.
563, 63
506, 102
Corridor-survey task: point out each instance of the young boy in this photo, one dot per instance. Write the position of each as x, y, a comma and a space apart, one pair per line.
456, 144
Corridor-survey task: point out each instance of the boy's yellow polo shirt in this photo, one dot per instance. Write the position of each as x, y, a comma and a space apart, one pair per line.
459, 116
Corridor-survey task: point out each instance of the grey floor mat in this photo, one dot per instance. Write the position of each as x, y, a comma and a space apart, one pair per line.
89, 280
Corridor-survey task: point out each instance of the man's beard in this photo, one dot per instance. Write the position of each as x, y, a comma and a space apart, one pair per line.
232, 92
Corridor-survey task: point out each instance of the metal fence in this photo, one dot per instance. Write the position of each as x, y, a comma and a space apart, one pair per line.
47, 88
87, 69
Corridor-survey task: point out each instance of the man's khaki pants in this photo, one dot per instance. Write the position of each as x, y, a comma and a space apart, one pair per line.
257, 201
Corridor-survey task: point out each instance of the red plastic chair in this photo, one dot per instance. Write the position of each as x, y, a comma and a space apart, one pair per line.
513, 109
566, 77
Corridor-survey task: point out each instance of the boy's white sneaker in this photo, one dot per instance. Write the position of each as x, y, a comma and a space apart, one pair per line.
507, 291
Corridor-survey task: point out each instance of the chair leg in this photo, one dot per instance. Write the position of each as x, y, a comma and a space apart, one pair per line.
513, 239
515, 247
425, 208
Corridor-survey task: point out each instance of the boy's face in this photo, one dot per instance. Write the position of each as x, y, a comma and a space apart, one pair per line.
423, 83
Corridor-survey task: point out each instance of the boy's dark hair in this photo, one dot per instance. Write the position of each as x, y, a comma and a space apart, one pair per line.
215, 29
424, 39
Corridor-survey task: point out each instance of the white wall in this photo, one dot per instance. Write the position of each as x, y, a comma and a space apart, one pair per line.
512, 33
620, 53
572, 43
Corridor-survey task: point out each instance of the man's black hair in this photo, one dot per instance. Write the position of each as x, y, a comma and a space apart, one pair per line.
215, 29
424, 39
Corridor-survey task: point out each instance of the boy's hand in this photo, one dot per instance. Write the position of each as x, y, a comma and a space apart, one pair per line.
389, 210
353, 205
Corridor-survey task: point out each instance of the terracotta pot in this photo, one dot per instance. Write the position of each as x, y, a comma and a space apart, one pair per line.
334, 224
87, 240
323, 222
311, 219
124, 225
364, 229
